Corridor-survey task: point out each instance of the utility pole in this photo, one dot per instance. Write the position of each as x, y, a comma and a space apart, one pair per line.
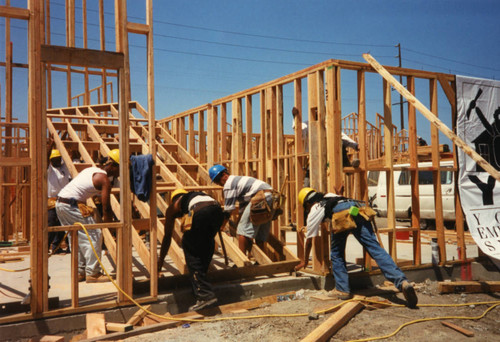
401, 96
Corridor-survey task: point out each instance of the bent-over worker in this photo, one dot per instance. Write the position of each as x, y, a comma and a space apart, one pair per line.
318, 207
202, 219
71, 207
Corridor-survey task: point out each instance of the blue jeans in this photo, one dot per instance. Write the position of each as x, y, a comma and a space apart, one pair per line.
366, 237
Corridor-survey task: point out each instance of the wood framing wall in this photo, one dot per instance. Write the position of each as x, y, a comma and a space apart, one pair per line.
266, 152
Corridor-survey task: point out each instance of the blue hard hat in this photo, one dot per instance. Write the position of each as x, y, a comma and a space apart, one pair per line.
216, 170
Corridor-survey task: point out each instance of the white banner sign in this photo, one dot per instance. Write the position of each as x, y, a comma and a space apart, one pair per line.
478, 124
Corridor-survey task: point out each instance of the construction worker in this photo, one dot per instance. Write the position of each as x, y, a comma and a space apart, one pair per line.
71, 207
202, 218
243, 189
346, 143
317, 208
57, 178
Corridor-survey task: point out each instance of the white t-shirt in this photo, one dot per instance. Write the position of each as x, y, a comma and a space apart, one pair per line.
57, 178
316, 216
82, 187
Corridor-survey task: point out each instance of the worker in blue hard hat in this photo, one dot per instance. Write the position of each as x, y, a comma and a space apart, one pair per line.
244, 190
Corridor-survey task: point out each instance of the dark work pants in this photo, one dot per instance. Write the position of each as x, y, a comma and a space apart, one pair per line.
54, 237
198, 245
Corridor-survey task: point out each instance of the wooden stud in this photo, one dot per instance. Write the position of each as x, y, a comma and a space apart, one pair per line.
333, 324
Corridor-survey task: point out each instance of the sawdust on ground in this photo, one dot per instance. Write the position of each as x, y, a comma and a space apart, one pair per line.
367, 323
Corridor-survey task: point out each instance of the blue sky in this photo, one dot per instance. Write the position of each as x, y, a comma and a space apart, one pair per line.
205, 50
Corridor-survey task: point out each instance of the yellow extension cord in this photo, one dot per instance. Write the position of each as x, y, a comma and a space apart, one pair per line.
495, 304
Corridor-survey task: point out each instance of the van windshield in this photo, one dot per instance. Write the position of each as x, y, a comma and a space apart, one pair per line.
425, 177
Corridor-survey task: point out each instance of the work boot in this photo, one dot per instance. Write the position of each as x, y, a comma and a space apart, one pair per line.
97, 278
339, 294
200, 304
409, 293
81, 277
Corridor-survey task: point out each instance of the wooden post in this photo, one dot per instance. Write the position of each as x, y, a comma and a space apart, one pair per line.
415, 198
362, 136
202, 143
300, 163
321, 129
237, 141
223, 133
263, 136
153, 234
333, 129
102, 41
436, 174
124, 243
389, 167
191, 138
213, 154
38, 153
249, 151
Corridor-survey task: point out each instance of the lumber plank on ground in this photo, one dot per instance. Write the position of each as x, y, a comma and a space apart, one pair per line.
48, 338
468, 286
334, 323
118, 327
461, 330
96, 325
138, 316
9, 258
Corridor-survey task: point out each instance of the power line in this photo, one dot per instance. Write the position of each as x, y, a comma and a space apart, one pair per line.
450, 60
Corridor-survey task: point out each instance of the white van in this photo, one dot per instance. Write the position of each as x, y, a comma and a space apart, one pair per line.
377, 191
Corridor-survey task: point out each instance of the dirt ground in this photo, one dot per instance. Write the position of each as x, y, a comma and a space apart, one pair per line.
366, 324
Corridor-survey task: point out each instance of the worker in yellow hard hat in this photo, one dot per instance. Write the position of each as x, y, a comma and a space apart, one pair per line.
347, 216
71, 207
202, 218
57, 177
114, 156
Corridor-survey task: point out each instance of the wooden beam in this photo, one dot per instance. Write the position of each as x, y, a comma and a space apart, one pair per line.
14, 12
96, 325
118, 327
334, 323
137, 28
469, 286
81, 57
138, 316
435, 121
466, 332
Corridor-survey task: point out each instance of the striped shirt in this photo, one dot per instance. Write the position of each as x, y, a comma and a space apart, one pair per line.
241, 189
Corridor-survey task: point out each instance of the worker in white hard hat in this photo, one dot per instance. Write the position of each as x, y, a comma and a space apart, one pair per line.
71, 207
201, 219
348, 216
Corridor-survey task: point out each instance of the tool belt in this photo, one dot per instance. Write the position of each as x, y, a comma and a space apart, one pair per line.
344, 220
261, 211
51, 203
198, 206
85, 210
187, 219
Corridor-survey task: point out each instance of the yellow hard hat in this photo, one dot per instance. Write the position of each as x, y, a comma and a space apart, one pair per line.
54, 154
303, 193
115, 155
177, 192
